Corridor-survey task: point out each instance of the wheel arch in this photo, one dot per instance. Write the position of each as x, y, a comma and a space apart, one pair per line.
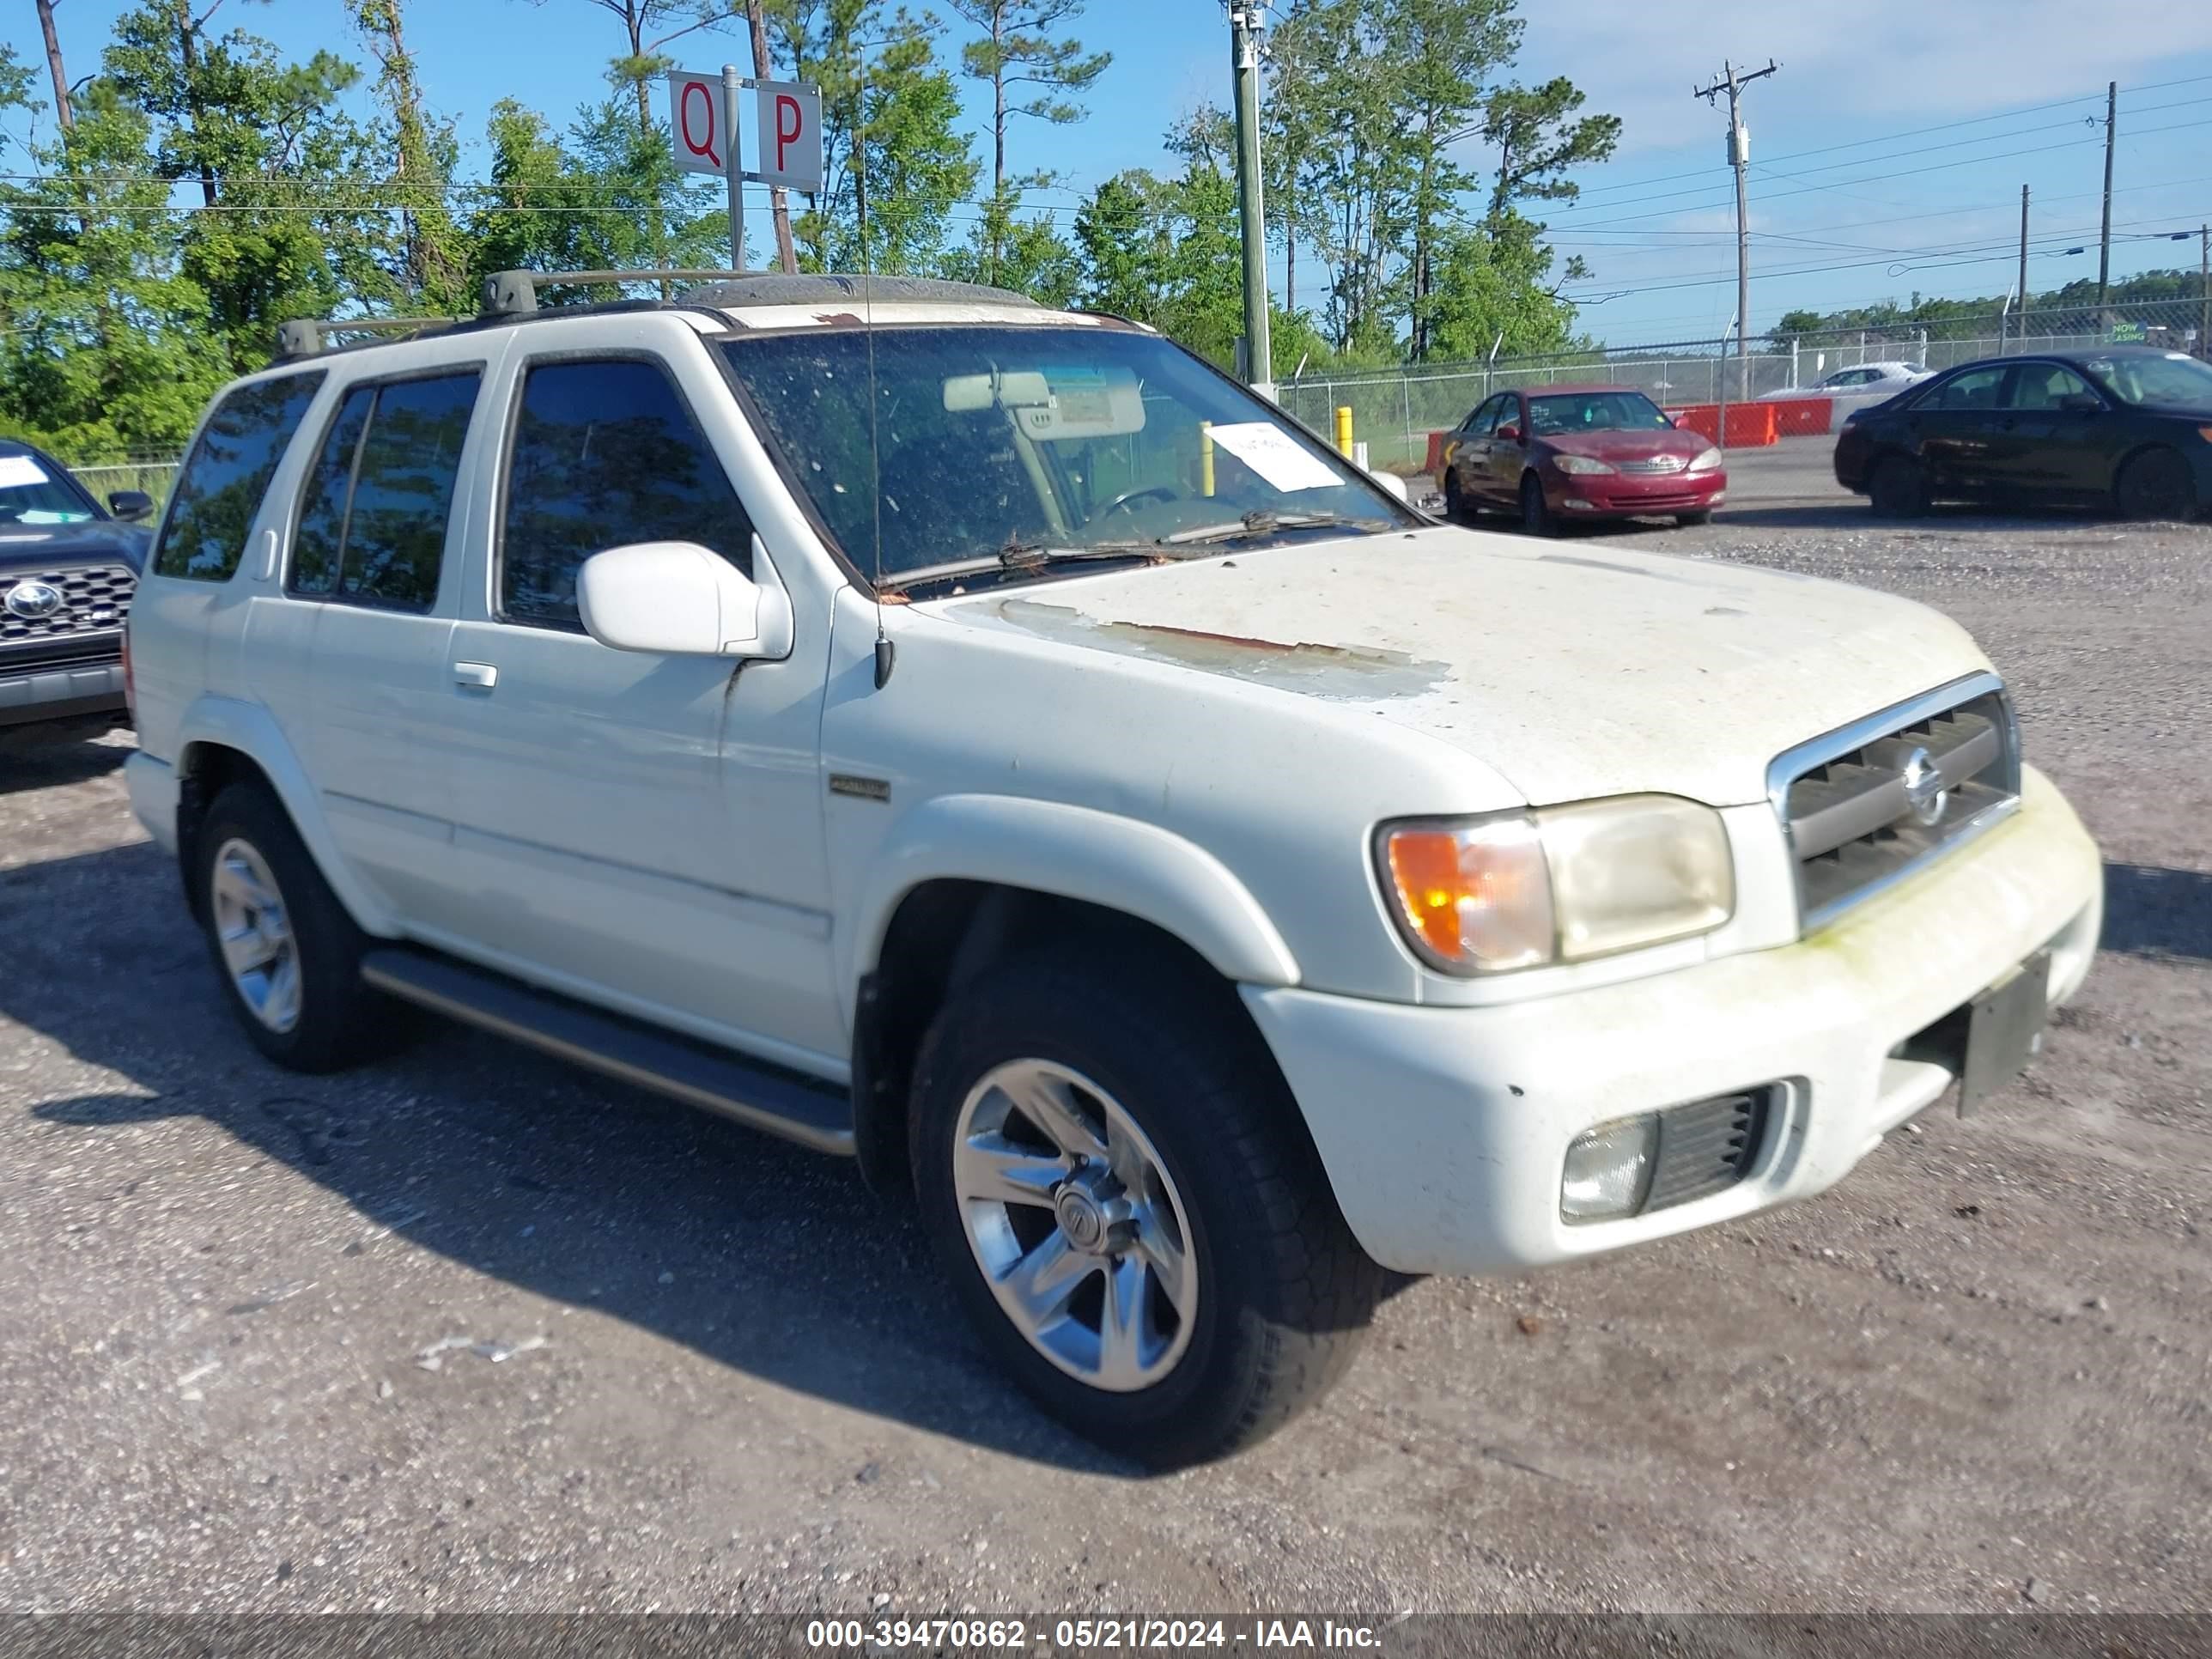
222, 741
973, 880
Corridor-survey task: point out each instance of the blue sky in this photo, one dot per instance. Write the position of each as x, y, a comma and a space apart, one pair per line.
1853, 199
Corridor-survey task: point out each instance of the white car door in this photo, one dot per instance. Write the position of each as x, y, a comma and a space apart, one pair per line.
609, 849
355, 647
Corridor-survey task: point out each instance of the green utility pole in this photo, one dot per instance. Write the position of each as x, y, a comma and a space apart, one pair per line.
1246, 20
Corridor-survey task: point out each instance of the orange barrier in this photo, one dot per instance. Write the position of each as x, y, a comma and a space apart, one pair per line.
1804, 417
1435, 452
1749, 425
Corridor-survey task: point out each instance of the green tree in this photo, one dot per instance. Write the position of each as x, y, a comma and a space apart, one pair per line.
435, 257
1538, 136
1030, 73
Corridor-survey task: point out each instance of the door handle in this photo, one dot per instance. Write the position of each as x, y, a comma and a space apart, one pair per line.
480, 675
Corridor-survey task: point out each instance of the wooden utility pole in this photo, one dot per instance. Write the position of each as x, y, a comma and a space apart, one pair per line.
2204, 289
54, 65
1246, 19
2105, 242
2019, 329
779, 204
1738, 152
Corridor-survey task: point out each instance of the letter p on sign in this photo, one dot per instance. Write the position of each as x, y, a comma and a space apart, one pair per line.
790, 151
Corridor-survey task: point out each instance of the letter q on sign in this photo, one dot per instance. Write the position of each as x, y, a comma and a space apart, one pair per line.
696, 126
790, 117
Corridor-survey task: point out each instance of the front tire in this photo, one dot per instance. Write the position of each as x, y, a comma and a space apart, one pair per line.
2156, 485
1691, 520
1536, 518
287, 953
1118, 1182
1454, 498
1898, 488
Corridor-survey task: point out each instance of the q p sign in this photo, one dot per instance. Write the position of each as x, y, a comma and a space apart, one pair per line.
696, 125
790, 117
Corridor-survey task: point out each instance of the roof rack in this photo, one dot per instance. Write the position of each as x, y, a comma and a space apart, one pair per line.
304, 337
511, 294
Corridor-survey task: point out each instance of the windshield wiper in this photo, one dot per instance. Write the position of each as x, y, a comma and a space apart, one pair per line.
1264, 521
1027, 555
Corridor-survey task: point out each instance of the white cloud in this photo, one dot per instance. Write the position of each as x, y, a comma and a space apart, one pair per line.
1892, 63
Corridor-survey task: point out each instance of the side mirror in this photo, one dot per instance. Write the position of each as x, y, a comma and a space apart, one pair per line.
1509, 433
678, 599
1396, 485
131, 505
2086, 402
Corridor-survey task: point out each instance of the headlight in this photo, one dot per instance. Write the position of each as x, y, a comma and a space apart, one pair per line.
1708, 459
1522, 888
1577, 466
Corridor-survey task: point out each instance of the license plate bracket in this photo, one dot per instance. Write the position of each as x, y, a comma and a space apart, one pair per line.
2004, 1031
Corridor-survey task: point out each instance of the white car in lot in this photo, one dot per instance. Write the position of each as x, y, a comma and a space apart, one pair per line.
1867, 382
985, 741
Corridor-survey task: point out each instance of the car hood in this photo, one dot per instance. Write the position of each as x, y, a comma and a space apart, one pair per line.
24, 546
1621, 446
1571, 672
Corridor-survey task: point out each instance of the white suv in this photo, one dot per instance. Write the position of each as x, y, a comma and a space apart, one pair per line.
984, 740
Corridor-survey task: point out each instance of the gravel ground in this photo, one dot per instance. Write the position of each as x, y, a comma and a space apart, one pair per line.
688, 1368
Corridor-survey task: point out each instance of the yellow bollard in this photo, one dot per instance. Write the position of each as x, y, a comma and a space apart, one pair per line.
1206, 458
1344, 430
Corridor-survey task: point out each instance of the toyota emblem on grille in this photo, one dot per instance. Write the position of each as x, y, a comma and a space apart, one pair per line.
1924, 791
34, 601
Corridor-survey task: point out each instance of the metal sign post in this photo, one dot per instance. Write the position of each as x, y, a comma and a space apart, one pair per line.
730, 84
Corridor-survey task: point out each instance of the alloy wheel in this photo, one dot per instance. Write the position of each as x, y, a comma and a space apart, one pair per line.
255, 935
1070, 1214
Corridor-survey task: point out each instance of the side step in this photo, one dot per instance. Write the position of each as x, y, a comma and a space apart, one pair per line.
758, 1095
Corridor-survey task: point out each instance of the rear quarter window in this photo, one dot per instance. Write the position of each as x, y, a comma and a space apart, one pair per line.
219, 491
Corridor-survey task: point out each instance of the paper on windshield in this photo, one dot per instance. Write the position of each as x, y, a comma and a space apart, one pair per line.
1277, 457
17, 470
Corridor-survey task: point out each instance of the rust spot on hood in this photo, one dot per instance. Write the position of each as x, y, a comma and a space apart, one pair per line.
1346, 671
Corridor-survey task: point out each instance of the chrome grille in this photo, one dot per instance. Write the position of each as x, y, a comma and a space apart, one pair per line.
95, 599
1655, 464
1867, 804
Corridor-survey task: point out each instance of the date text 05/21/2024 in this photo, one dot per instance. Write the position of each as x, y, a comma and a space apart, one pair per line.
1094, 1635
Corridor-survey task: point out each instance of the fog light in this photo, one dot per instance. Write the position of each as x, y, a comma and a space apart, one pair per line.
1576, 504
1608, 1169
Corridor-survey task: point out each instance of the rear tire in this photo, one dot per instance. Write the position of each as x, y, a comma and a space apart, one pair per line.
1454, 498
1271, 1293
1536, 518
2156, 485
287, 954
1898, 488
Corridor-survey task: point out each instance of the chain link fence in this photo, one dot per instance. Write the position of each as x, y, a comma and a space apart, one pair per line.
1395, 410
153, 475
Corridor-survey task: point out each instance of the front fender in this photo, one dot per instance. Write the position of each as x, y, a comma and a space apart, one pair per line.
1075, 852
229, 723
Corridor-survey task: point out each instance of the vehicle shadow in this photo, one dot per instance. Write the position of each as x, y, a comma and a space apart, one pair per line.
2150, 911
1849, 512
763, 1257
53, 765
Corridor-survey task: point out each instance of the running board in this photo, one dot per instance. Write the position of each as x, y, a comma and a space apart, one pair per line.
759, 1096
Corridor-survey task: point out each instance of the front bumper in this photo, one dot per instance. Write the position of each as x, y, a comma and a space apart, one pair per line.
65, 691
1444, 1130
1623, 496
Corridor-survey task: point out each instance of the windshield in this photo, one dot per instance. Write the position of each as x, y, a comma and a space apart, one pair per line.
1593, 411
2173, 380
1036, 437
34, 492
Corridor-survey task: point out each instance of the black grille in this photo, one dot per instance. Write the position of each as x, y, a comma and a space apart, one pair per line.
1851, 815
1707, 1146
95, 599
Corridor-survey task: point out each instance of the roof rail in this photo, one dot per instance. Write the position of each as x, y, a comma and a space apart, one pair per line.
304, 337
510, 293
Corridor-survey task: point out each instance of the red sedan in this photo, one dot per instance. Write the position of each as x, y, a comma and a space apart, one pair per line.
1579, 451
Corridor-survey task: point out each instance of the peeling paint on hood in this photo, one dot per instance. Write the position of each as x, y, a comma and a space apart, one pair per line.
1572, 675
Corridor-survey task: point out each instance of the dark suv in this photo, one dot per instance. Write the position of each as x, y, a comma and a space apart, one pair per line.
68, 569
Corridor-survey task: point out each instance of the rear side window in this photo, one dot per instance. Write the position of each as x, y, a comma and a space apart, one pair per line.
219, 489
1977, 389
372, 516
605, 455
